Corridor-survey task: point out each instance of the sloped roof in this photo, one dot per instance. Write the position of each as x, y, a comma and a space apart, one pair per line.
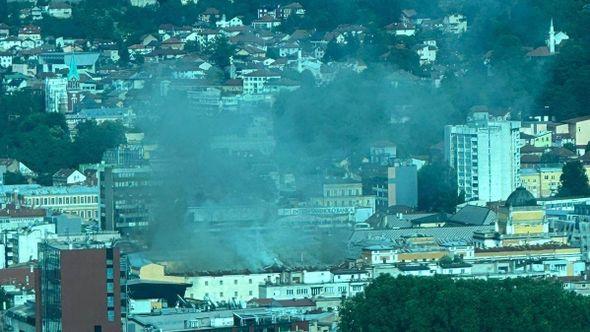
474, 215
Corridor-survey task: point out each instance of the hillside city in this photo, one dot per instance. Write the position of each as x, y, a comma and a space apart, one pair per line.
237, 165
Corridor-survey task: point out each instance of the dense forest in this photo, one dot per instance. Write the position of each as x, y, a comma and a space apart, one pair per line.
443, 304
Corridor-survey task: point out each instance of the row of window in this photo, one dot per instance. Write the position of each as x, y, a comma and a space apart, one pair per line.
38, 201
235, 282
221, 294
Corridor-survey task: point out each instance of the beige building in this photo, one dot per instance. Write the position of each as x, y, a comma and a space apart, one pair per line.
81, 201
579, 129
345, 194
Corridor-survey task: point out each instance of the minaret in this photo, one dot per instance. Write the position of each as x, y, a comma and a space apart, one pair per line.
551, 40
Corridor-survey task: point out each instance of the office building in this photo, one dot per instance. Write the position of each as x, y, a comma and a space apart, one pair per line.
79, 287
124, 194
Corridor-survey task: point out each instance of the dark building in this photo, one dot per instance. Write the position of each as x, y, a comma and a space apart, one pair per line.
124, 198
80, 288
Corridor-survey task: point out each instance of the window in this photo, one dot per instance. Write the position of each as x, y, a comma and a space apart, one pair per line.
250, 281
220, 282
111, 315
250, 292
220, 294
235, 281
235, 294
206, 283
97, 328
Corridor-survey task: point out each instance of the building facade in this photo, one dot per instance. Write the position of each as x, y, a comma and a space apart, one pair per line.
66, 303
485, 155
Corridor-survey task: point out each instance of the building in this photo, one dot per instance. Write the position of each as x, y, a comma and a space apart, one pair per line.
77, 200
56, 95
13, 217
59, 10
80, 288
579, 129
455, 23
485, 155
345, 193
228, 287
124, 197
68, 176
255, 82
402, 185
143, 3
541, 182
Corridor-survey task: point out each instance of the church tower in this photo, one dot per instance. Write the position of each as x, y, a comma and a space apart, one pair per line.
551, 39
73, 75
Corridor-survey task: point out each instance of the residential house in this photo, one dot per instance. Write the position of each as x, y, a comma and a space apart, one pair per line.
29, 32
294, 8
266, 22
254, 82
455, 23
68, 176
224, 23
60, 10
143, 3
401, 29
426, 52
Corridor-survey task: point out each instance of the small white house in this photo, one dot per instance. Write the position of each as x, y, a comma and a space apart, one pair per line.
68, 176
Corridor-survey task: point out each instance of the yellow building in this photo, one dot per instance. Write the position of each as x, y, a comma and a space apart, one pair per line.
521, 216
543, 182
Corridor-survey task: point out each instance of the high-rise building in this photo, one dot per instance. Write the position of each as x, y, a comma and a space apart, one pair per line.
80, 287
56, 95
124, 197
485, 155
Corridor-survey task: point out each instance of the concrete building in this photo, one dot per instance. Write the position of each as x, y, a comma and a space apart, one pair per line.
228, 287
80, 288
124, 197
77, 200
485, 155
56, 95
402, 185
345, 193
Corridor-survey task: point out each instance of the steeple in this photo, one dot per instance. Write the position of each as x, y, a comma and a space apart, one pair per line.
551, 40
73, 70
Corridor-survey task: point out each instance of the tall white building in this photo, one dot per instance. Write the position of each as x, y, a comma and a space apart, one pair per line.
56, 95
485, 155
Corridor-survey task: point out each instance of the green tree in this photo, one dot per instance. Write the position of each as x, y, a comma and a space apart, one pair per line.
94, 139
221, 51
571, 147
442, 304
573, 180
437, 189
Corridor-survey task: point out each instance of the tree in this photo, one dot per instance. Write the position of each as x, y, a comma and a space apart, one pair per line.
574, 181
221, 51
571, 147
437, 189
442, 304
3, 10
94, 139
